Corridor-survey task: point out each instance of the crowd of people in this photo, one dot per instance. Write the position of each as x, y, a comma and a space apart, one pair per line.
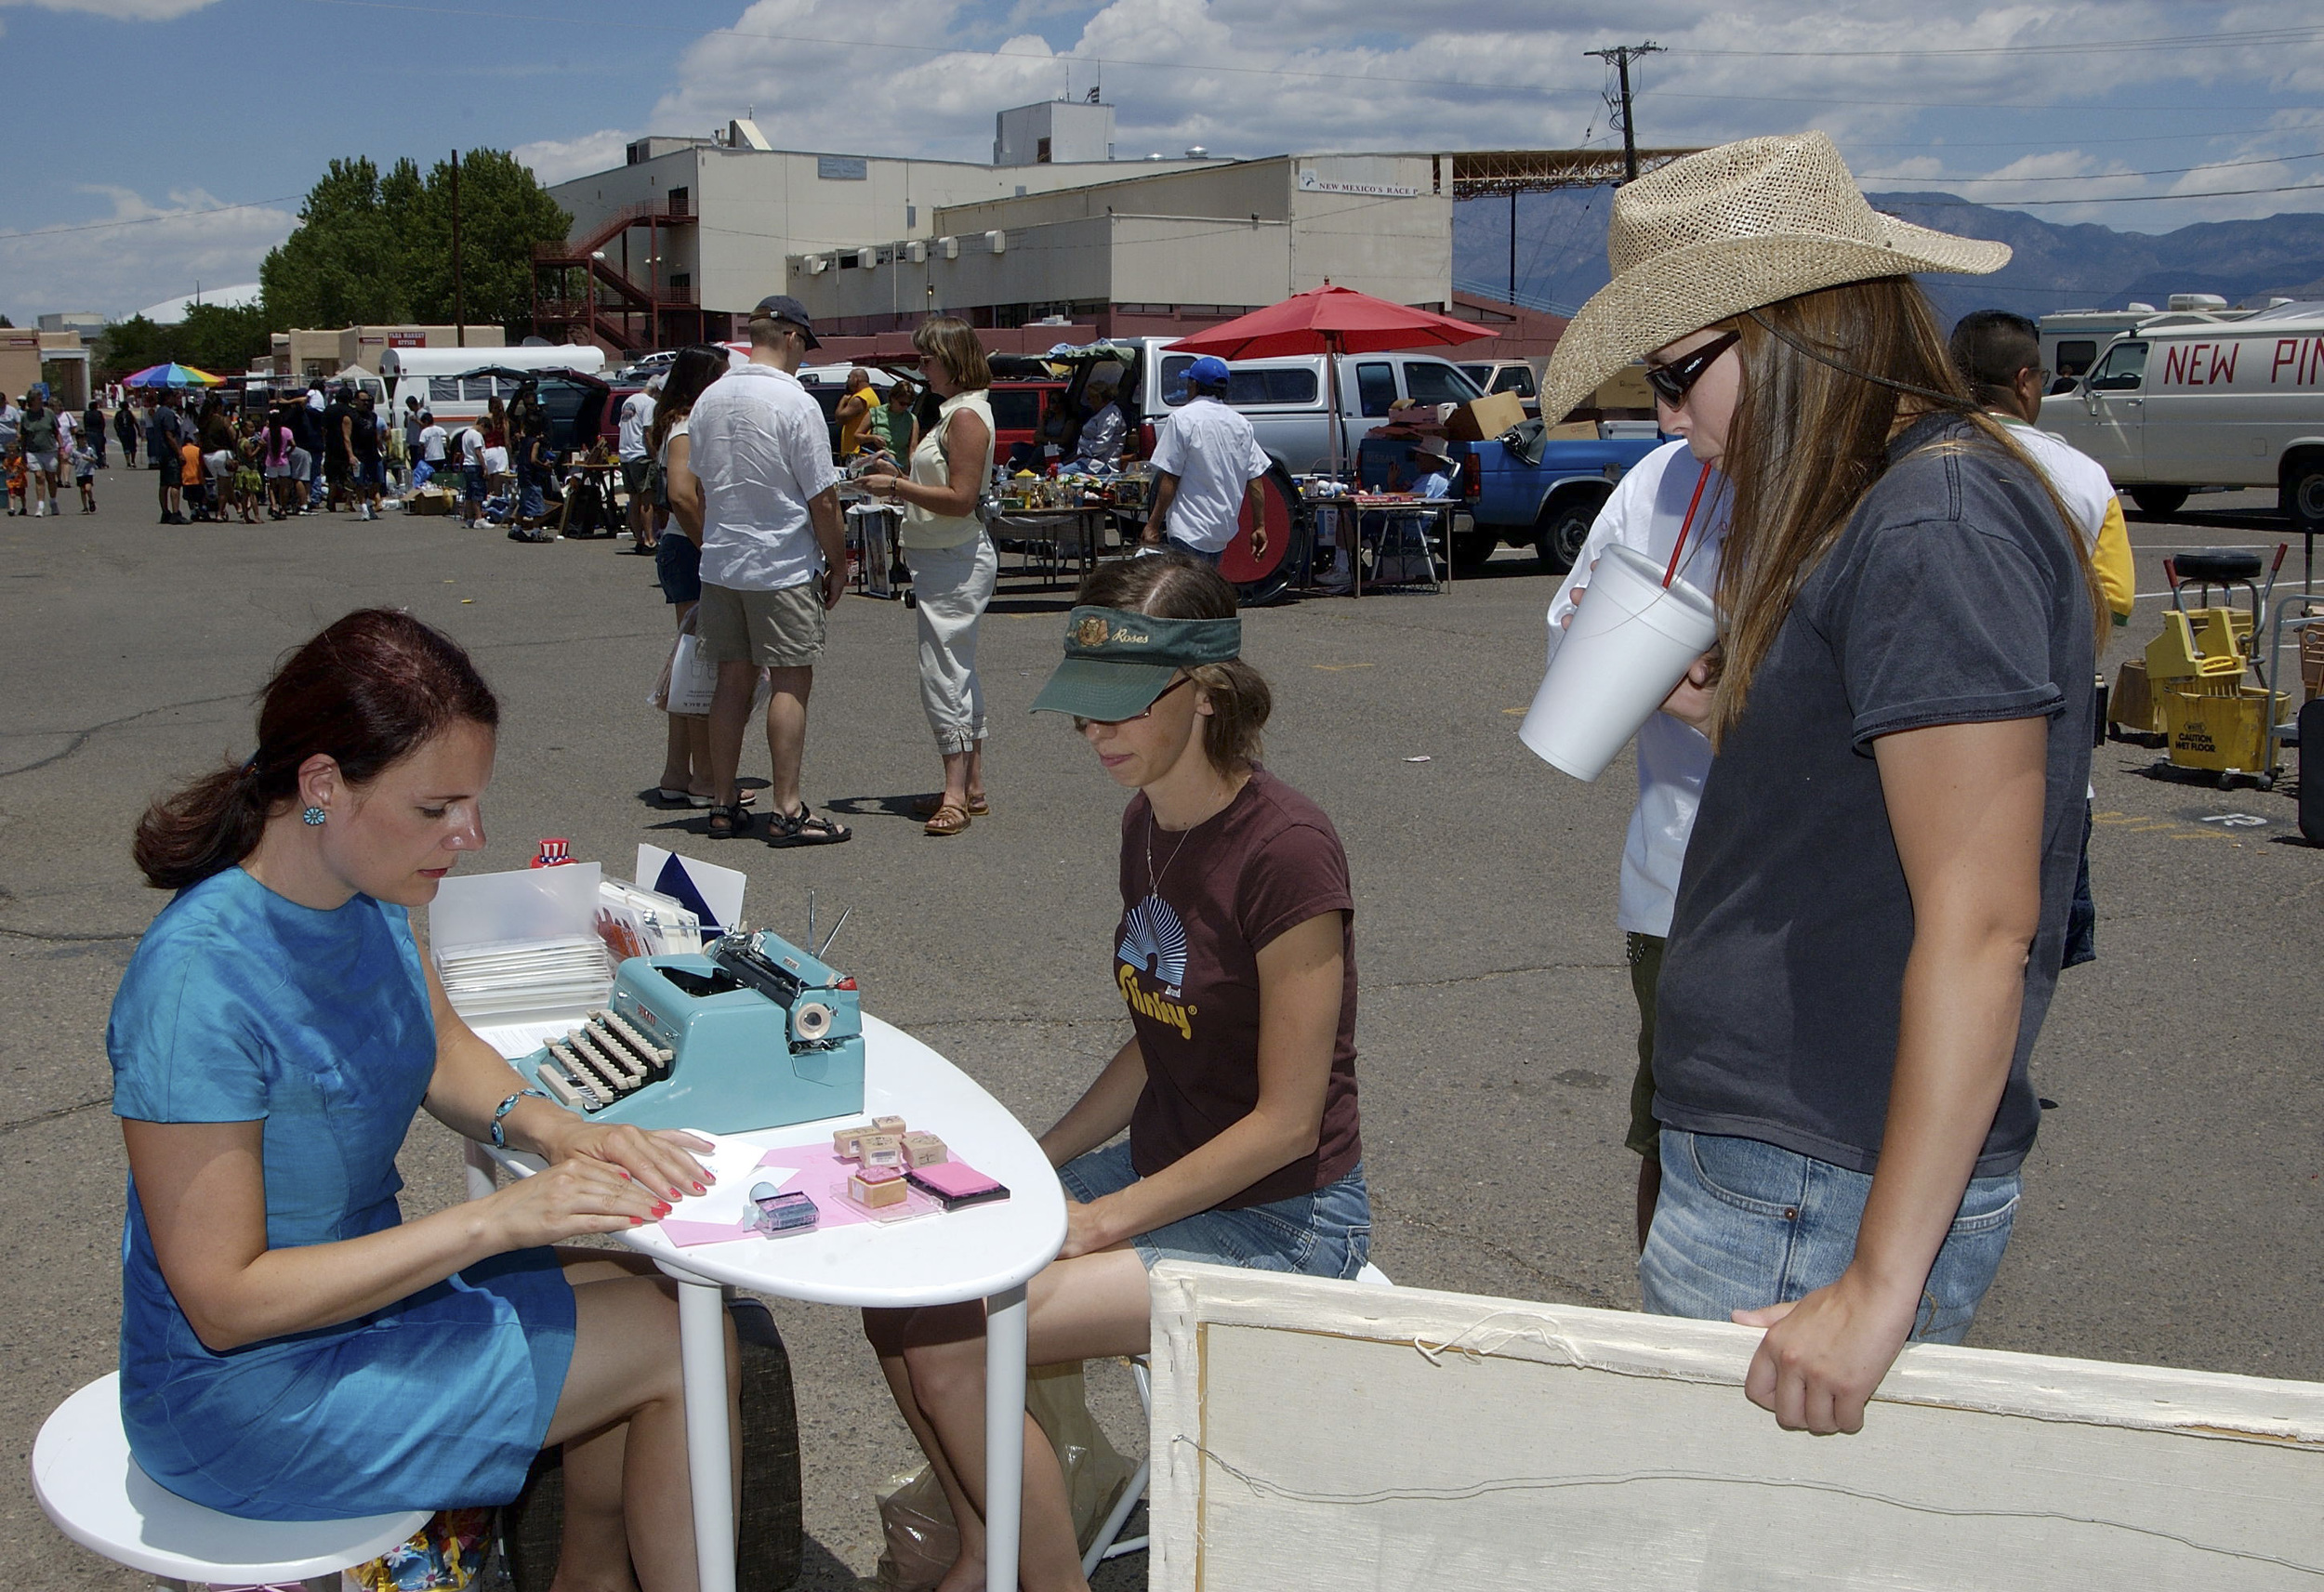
1849, 888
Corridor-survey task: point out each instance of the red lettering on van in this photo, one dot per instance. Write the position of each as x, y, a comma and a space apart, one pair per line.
2287, 353
2224, 370
2175, 364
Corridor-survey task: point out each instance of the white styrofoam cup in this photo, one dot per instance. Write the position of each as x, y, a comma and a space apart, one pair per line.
1631, 641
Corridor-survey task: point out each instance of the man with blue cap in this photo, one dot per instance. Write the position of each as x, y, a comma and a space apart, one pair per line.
1206, 464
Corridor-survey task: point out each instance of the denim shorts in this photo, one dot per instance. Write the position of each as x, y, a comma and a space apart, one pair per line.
1741, 1224
678, 565
1327, 1234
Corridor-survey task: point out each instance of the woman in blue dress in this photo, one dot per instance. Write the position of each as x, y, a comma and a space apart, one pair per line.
291, 1348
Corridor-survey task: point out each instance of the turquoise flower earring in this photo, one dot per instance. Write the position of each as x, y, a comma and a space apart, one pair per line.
312, 818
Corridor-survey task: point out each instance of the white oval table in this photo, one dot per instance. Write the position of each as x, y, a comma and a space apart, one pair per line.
985, 1252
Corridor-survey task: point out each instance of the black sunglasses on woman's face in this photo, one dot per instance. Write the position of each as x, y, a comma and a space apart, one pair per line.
1672, 381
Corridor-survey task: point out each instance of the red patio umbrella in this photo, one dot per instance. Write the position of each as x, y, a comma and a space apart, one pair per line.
1332, 320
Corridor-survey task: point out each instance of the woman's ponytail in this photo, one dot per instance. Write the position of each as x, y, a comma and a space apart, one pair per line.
204, 829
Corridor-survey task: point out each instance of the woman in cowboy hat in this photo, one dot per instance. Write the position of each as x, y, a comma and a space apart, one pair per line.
1872, 912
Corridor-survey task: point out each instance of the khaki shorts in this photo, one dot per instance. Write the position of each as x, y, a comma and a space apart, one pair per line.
780, 629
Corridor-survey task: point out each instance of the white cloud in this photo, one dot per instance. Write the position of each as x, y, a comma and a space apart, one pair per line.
142, 252
558, 160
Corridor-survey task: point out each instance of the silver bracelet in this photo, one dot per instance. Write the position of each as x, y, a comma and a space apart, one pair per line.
499, 1139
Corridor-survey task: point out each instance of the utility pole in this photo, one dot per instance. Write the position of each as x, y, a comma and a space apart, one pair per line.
459, 299
1619, 57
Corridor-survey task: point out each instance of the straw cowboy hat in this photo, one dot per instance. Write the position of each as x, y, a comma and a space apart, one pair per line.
1728, 230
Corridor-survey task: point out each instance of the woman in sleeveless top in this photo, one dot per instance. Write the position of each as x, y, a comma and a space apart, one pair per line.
952, 561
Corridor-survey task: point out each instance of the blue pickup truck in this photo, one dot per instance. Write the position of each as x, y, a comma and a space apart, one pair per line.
1531, 490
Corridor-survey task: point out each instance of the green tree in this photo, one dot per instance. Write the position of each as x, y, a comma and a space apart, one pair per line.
339, 267
371, 248
221, 338
503, 212
129, 346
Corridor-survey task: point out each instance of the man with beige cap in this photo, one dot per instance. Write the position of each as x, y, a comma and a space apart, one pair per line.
1872, 907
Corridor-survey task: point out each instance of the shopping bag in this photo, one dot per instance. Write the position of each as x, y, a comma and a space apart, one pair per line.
694, 677
921, 1539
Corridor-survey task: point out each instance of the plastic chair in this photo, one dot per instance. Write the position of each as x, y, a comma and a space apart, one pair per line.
1103, 1545
92, 1491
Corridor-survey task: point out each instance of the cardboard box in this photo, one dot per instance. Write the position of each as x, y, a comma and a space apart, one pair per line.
1487, 416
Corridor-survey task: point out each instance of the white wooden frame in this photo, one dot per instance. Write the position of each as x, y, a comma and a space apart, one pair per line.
1311, 1434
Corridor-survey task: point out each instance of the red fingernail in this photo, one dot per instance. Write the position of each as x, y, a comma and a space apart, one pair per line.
699, 1190
637, 1221
675, 1195
625, 1176
661, 1208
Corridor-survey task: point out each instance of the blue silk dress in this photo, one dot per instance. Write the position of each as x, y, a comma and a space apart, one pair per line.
240, 1005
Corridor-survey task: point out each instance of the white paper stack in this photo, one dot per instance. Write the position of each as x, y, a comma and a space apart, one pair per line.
503, 978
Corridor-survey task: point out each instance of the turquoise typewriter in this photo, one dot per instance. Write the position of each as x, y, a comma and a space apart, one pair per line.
753, 1032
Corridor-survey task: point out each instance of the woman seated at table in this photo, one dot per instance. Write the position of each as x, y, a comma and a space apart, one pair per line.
291, 1348
1235, 957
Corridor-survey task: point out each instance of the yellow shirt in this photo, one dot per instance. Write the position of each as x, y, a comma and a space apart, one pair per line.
852, 432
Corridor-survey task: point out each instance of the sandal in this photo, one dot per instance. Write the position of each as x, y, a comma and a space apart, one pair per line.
927, 805
947, 820
728, 824
803, 828
670, 795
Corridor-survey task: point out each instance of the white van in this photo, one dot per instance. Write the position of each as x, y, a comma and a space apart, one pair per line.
2168, 408
439, 378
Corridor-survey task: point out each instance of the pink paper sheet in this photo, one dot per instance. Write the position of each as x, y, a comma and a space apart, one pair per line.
821, 1177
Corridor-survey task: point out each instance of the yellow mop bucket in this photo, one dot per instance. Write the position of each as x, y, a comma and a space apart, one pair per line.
2223, 729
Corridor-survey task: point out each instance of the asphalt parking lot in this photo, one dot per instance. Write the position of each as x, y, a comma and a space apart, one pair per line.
2171, 1205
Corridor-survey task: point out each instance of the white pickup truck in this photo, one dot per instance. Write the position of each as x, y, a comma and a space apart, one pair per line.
2170, 407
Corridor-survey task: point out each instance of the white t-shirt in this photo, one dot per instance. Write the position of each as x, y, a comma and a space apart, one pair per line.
431, 444
495, 461
1215, 455
637, 413
760, 447
472, 448
68, 430
2081, 479
1646, 512
678, 428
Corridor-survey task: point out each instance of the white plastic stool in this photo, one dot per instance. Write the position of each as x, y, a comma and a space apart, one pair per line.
93, 1492
1102, 1546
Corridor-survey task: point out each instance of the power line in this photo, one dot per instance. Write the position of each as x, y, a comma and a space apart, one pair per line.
2177, 41
148, 220
2317, 187
2137, 108
2086, 177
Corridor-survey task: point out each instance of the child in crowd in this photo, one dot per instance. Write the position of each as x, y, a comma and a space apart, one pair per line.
18, 482
190, 481
84, 475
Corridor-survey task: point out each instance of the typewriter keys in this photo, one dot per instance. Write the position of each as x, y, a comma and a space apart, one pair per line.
601, 1062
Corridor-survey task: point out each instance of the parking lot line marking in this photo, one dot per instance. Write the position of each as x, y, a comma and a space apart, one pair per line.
1336, 668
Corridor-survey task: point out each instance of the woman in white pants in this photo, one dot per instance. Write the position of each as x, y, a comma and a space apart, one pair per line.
952, 561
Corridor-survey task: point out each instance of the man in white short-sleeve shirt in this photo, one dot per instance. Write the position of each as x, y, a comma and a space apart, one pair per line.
637, 415
1208, 461
1648, 513
773, 562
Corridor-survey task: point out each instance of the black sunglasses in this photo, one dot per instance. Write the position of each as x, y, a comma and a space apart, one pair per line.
1674, 381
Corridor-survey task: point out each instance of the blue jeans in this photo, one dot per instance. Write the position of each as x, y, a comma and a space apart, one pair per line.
1327, 1234
1741, 1224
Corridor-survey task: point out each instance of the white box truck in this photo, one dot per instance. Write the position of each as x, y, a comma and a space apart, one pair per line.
2170, 407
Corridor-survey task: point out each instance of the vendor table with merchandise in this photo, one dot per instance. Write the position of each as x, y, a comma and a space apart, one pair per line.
984, 1252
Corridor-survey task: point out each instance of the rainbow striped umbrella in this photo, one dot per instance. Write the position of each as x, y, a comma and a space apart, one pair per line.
173, 375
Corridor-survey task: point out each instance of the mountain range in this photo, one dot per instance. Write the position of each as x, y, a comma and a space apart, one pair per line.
1561, 254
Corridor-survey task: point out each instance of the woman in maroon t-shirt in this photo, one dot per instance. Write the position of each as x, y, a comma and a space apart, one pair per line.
1235, 956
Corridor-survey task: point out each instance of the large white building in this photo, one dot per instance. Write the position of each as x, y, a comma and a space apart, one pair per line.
689, 234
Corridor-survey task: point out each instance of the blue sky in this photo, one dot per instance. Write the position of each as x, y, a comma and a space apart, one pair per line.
171, 108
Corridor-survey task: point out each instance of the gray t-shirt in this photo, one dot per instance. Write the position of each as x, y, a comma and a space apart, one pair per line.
1954, 595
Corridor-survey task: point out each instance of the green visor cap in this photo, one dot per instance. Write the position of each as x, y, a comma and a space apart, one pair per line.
1116, 662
